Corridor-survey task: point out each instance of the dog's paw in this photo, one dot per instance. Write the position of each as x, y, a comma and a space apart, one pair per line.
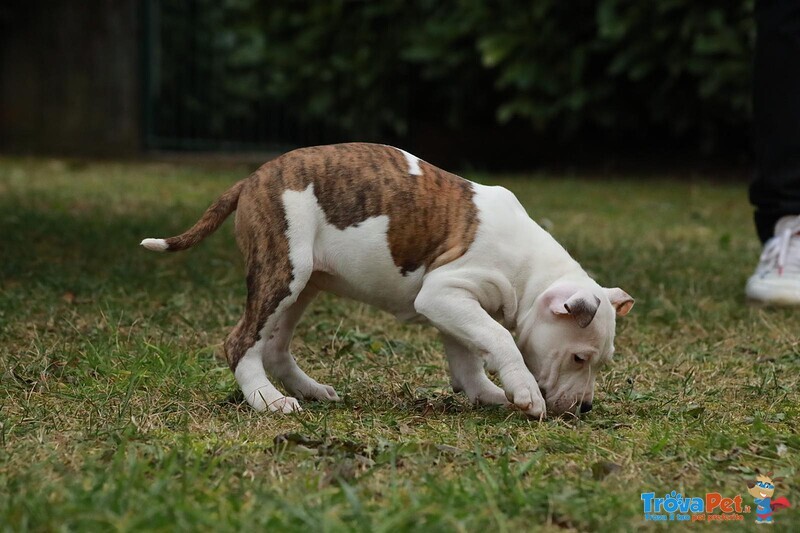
285, 404
522, 391
318, 391
490, 397
268, 398
486, 394
309, 389
528, 399
328, 393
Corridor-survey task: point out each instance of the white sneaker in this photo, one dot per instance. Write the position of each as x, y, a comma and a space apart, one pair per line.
777, 277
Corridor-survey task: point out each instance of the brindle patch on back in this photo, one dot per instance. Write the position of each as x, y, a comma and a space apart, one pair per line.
432, 217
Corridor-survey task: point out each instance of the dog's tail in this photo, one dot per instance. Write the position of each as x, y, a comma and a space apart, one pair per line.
212, 219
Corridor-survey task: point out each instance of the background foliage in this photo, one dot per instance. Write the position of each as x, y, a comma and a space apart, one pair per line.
677, 69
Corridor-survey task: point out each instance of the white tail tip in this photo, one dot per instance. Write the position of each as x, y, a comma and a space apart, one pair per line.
157, 245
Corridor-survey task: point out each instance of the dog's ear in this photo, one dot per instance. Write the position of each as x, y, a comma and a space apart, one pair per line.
777, 479
751, 484
621, 300
581, 305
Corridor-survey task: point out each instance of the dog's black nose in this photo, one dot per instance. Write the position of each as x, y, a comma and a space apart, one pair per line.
586, 407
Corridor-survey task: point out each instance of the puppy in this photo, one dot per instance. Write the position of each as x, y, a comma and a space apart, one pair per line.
378, 225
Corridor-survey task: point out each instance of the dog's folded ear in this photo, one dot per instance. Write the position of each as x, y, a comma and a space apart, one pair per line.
581, 305
621, 300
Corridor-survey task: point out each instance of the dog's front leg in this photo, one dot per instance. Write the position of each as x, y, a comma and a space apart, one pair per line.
456, 312
468, 376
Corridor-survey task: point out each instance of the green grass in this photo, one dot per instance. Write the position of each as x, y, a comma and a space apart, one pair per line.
116, 411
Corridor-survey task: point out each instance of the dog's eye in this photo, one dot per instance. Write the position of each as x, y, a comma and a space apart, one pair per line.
578, 358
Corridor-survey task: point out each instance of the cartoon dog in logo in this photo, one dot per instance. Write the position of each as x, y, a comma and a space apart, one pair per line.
762, 490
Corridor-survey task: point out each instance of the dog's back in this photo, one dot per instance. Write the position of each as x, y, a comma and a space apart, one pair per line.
431, 216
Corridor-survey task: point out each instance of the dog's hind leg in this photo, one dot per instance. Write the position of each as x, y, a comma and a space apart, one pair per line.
243, 349
279, 362
245, 345
273, 286
467, 375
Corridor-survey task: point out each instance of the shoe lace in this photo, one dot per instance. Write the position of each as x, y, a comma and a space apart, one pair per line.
776, 250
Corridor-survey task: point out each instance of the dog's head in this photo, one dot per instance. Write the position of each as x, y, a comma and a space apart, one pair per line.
763, 486
567, 337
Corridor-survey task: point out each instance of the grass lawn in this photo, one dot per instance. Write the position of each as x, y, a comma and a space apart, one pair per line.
117, 412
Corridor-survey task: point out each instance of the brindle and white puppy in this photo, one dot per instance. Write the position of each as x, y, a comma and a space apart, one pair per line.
376, 224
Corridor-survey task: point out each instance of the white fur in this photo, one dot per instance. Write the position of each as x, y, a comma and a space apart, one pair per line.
278, 360
413, 163
354, 262
467, 375
250, 373
257, 389
156, 245
509, 265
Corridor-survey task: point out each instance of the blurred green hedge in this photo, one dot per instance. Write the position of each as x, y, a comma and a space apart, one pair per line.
378, 69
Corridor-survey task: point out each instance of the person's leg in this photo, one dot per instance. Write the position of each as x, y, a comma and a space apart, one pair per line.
775, 192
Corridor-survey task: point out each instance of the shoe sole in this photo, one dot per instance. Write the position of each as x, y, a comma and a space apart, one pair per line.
767, 295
